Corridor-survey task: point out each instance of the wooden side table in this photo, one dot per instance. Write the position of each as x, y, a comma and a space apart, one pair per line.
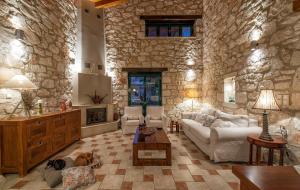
278, 144
174, 124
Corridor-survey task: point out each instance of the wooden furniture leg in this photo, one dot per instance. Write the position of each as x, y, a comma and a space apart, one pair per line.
171, 126
270, 159
258, 154
251, 154
281, 156
168, 155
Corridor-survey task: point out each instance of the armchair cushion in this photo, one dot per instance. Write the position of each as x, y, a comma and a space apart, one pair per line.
222, 124
132, 117
156, 117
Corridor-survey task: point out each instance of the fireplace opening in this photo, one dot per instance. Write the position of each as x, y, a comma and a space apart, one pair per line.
95, 115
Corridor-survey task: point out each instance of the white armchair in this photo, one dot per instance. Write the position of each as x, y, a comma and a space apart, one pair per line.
156, 117
133, 116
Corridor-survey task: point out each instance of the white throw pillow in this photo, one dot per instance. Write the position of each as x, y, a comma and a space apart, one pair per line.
239, 120
133, 117
222, 124
205, 120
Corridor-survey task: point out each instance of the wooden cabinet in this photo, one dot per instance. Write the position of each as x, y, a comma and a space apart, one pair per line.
26, 142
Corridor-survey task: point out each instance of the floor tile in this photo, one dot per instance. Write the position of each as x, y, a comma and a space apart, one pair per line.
181, 186
182, 175
126, 185
198, 186
143, 186
148, 177
164, 182
198, 178
112, 182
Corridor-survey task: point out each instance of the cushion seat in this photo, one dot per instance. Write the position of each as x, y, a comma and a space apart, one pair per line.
132, 122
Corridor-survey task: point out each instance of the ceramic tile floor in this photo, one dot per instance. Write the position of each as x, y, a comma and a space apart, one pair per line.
190, 170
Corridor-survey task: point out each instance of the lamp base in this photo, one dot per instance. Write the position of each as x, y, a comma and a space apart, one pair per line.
265, 135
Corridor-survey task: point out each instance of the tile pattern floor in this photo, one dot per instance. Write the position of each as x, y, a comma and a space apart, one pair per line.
190, 170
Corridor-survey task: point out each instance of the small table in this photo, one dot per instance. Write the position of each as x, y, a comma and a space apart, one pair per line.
278, 144
267, 177
174, 124
157, 141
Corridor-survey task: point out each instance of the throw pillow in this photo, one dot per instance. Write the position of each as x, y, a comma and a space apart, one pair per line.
133, 117
222, 124
200, 118
53, 177
209, 120
76, 177
239, 120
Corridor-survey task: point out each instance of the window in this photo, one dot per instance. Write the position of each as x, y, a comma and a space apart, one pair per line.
229, 90
169, 28
144, 89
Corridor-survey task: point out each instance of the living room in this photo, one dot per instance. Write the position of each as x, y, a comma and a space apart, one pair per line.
150, 94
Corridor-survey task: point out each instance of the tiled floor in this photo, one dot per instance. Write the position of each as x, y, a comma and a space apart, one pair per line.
190, 167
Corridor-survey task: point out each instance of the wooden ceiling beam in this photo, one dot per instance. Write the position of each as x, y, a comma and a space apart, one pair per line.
107, 3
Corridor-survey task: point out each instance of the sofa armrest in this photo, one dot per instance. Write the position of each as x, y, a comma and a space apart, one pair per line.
187, 115
164, 120
218, 134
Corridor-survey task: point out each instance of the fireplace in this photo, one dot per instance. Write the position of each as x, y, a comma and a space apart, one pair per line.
95, 115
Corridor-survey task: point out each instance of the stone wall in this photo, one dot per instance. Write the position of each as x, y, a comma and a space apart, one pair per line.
48, 46
229, 28
127, 46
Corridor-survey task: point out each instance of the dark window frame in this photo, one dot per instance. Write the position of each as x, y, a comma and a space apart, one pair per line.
169, 24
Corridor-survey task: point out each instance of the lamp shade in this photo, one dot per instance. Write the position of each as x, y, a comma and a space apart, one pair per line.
266, 101
19, 82
192, 93
5, 75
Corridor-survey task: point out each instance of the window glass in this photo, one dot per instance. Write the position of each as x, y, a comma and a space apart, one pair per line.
163, 31
175, 31
186, 31
152, 31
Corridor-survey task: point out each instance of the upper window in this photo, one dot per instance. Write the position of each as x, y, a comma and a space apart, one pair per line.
169, 28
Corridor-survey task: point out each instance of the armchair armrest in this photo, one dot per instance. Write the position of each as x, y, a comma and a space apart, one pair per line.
232, 133
141, 119
124, 118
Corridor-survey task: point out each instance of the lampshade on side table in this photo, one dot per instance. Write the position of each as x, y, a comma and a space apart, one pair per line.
266, 101
23, 84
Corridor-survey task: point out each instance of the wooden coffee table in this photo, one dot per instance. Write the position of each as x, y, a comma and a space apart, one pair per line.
157, 141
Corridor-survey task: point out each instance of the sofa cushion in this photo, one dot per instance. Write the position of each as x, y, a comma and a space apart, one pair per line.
155, 123
132, 122
206, 109
155, 117
239, 120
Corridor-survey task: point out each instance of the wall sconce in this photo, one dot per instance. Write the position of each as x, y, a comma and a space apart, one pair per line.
17, 49
16, 22
254, 45
19, 34
190, 75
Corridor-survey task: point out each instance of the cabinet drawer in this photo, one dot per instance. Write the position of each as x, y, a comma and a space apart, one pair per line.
59, 123
37, 129
38, 152
59, 141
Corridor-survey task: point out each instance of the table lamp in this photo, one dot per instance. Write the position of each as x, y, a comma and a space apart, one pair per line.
23, 84
192, 93
266, 101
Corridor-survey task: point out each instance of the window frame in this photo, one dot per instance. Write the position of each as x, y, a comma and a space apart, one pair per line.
169, 24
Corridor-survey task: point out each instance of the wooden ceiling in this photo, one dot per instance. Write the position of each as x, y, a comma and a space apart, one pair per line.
107, 3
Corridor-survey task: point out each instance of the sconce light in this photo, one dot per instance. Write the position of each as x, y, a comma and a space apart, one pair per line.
19, 34
254, 45
190, 75
17, 49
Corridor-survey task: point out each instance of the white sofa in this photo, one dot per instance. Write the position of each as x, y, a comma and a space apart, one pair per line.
156, 117
222, 136
133, 116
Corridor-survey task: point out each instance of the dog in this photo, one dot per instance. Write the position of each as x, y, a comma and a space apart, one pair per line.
84, 159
